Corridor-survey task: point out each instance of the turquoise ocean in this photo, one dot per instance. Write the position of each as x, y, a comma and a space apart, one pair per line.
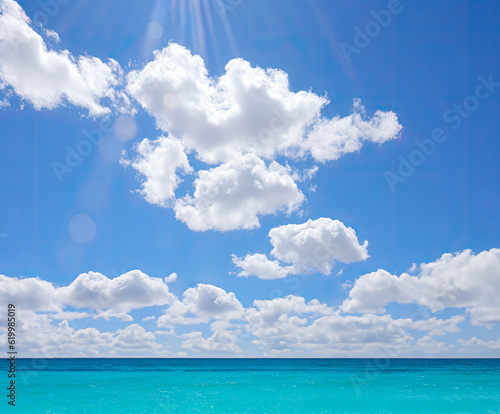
255, 386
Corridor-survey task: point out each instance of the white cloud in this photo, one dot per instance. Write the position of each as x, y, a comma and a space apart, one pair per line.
29, 293
259, 265
168, 332
307, 174
110, 297
354, 333
455, 280
52, 35
331, 139
131, 290
202, 304
245, 110
48, 78
219, 342
171, 278
148, 318
435, 326
479, 343
233, 195
134, 338
44, 339
70, 316
310, 247
241, 122
111, 313
485, 314
159, 162
430, 345
269, 311
291, 324
323, 240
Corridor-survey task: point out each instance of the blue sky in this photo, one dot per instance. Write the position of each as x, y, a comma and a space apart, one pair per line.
429, 58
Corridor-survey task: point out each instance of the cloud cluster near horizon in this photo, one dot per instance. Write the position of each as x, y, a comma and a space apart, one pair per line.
462, 280
247, 142
207, 320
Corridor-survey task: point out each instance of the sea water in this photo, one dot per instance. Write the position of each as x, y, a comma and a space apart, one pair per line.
255, 386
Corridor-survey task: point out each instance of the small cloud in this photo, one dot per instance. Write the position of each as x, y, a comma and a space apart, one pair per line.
171, 279
70, 316
148, 318
169, 332
311, 247
52, 35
